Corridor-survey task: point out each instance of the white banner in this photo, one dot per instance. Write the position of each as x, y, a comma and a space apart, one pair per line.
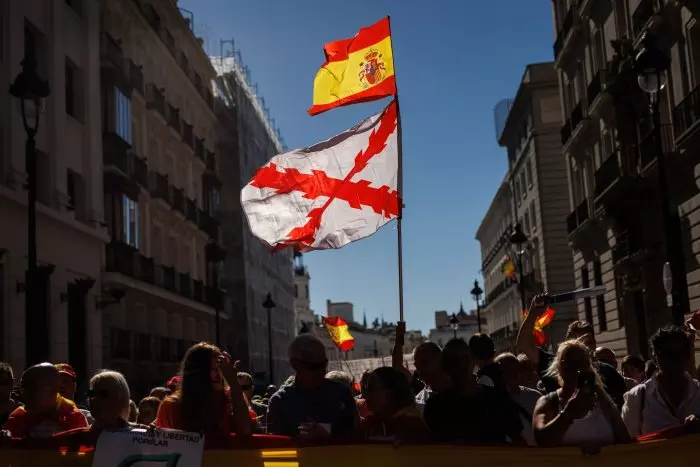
152, 448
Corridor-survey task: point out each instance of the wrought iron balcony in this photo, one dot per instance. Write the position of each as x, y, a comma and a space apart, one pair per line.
139, 170
184, 284
641, 16
686, 115
607, 174
578, 217
177, 199
136, 77
158, 184
564, 31
114, 152
565, 132
187, 134
156, 100
500, 289
647, 147
199, 148
191, 210
127, 260
198, 290
111, 52
578, 114
165, 277
595, 87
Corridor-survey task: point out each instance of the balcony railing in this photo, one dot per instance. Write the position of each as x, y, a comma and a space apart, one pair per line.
159, 186
648, 148
564, 31
113, 155
156, 99
607, 174
578, 217
565, 132
184, 284
191, 210
578, 114
500, 289
177, 199
187, 134
127, 260
641, 16
687, 114
166, 277
136, 76
174, 118
111, 51
627, 244
595, 86
198, 290
140, 170
199, 148
208, 224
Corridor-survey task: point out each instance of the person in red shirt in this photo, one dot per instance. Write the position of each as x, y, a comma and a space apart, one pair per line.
45, 412
202, 402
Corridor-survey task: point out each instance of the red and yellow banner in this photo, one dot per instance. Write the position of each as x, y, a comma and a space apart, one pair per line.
676, 451
340, 335
508, 267
359, 69
542, 322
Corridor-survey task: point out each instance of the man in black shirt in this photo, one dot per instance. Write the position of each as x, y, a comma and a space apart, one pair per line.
580, 330
470, 412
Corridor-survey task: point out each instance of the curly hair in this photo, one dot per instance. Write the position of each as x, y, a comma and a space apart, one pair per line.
578, 328
666, 336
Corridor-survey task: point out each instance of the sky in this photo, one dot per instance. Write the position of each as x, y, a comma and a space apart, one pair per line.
454, 60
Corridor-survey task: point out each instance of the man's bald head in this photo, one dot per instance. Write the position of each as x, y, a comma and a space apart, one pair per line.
40, 384
606, 355
307, 347
43, 374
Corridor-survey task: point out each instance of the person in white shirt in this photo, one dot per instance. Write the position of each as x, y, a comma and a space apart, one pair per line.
670, 397
524, 397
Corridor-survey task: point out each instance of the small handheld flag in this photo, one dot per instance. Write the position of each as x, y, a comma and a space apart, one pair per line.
340, 335
542, 322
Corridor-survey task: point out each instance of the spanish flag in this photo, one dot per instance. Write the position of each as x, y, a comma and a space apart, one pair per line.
542, 322
338, 330
359, 69
508, 267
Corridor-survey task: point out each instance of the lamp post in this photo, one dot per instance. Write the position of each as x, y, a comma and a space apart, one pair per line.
454, 322
269, 304
476, 295
31, 90
650, 65
519, 239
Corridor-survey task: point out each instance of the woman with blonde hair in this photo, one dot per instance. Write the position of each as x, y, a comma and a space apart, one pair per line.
109, 400
580, 412
209, 399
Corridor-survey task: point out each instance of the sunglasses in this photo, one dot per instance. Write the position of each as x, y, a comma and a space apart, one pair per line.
97, 393
314, 366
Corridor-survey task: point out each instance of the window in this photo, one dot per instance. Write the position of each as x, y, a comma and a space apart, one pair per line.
122, 115
523, 185
72, 87
306, 290
600, 299
533, 217
517, 189
75, 190
528, 172
585, 282
131, 224
120, 344
693, 41
598, 51
156, 243
526, 226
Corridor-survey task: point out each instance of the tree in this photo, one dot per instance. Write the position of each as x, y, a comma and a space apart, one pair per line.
375, 323
364, 320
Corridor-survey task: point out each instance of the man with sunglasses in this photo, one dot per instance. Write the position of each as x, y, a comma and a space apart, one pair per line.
45, 411
311, 407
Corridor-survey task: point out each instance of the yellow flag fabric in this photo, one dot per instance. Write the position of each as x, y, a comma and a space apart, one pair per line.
339, 332
359, 69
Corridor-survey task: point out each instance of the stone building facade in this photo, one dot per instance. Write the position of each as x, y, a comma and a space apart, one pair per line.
63, 37
615, 225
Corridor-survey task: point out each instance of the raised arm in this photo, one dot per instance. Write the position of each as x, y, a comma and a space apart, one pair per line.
526, 340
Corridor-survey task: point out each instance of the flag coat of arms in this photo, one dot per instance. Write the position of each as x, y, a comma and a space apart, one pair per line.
359, 69
339, 333
330, 194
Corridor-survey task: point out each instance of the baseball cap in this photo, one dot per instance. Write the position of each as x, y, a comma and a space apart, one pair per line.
174, 382
66, 369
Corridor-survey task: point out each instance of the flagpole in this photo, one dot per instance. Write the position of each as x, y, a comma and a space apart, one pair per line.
399, 237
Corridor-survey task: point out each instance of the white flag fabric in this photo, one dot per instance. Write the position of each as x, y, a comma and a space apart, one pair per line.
330, 194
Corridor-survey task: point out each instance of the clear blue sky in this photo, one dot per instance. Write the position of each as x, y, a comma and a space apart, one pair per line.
454, 60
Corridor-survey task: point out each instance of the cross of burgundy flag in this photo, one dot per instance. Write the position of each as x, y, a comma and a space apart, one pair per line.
330, 194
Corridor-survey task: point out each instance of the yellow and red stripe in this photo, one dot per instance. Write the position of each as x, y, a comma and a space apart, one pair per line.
360, 69
340, 335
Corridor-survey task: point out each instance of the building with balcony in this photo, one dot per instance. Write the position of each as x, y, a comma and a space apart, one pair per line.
501, 307
539, 190
161, 191
66, 324
304, 319
615, 225
251, 271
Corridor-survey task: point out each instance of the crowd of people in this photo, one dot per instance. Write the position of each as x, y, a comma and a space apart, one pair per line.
462, 393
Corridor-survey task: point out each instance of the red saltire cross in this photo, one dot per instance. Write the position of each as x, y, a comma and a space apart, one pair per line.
356, 193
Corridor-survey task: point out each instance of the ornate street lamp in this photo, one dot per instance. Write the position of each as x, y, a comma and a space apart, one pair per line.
269, 304
651, 64
454, 322
31, 91
476, 295
519, 240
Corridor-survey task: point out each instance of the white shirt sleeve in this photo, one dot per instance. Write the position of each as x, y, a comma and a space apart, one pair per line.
632, 411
